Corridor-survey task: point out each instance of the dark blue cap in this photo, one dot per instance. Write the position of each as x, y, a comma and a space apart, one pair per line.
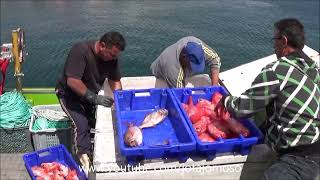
195, 55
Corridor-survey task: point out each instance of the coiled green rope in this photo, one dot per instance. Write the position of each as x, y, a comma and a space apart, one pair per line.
15, 111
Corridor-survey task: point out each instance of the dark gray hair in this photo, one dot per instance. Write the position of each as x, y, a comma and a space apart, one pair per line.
114, 39
293, 30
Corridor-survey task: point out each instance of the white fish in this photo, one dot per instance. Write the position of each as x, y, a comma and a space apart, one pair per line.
154, 118
133, 136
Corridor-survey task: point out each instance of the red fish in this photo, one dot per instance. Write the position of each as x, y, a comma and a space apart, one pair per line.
54, 166
194, 113
154, 118
210, 122
204, 137
215, 132
133, 136
221, 125
38, 171
53, 170
203, 102
237, 127
205, 119
185, 107
216, 98
221, 113
72, 175
201, 125
206, 108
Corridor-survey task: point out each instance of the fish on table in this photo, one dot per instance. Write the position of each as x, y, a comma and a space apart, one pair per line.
54, 170
133, 136
154, 118
210, 123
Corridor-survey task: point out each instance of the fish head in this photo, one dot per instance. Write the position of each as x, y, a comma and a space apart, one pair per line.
163, 112
133, 136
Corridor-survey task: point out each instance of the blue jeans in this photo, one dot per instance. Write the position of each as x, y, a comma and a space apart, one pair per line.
294, 167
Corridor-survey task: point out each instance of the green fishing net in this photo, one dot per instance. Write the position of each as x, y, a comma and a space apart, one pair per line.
15, 112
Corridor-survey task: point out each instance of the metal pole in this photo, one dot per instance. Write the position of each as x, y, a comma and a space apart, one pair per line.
16, 56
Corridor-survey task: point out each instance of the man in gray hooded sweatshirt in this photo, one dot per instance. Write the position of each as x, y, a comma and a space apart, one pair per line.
184, 59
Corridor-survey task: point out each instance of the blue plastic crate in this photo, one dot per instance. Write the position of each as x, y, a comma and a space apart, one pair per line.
132, 107
210, 149
55, 153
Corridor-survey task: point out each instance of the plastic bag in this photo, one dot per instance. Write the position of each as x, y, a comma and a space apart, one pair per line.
41, 124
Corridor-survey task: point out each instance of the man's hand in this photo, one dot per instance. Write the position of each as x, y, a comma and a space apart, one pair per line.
221, 111
104, 101
98, 99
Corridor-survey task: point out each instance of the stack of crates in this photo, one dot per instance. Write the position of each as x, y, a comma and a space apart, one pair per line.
49, 137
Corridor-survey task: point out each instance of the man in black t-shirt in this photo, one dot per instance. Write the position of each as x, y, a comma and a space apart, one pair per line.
87, 66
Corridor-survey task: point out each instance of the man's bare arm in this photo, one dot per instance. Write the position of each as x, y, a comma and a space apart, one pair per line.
77, 86
115, 85
215, 76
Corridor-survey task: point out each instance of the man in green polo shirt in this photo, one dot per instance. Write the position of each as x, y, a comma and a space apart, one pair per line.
288, 89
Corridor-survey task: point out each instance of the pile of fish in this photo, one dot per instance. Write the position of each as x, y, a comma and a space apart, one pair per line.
212, 124
133, 135
54, 171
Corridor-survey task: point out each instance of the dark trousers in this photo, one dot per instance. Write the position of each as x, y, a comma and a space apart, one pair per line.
301, 163
82, 116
